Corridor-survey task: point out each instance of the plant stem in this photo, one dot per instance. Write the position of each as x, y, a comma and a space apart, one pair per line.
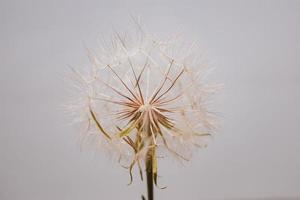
149, 172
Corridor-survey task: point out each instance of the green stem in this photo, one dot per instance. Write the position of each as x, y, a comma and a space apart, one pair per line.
149, 172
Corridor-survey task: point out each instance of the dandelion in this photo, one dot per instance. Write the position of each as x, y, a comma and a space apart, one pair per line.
145, 98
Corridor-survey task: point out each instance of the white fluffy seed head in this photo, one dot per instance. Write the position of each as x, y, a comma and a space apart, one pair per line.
142, 93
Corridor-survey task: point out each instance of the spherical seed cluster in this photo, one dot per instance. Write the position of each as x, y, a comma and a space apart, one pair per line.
144, 94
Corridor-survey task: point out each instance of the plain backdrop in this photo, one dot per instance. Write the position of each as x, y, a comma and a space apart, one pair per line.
254, 46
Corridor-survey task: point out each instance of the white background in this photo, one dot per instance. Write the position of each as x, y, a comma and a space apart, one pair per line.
254, 46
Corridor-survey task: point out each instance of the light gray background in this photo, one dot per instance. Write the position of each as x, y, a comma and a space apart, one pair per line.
254, 46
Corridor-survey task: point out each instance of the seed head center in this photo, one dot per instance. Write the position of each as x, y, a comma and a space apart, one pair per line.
145, 107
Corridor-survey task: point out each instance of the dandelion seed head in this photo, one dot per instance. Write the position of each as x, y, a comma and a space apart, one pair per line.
141, 92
